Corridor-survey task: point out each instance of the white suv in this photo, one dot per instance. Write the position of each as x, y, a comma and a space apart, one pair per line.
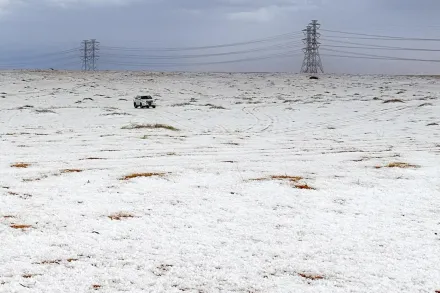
144, 102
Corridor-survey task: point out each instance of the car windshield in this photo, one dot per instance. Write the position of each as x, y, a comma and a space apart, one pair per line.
145, 97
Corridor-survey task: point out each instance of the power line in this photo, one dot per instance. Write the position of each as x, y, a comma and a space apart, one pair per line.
123, 55
277, 46
191, 56
47, 64
355, 53
372, 46
383, 58
381, 37
268, 39
89, 53
46, 56
383, 48
264, 57
19, 63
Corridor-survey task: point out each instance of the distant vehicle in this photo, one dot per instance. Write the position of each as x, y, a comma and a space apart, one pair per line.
144, 102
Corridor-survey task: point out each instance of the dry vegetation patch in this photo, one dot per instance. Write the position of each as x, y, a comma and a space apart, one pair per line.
280, 177
398, 165
35, 179
150, 126
162, 269
291, 179
20, 226
304, 186
27, 276
312, 277
393, 101
71, 171
215, 107
119, 216
286, 177
51, 262
20, 165
56, 261
44, 111
93, 158
138, 175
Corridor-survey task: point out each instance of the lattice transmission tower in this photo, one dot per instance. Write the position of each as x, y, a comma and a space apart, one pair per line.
89, 54
312, 61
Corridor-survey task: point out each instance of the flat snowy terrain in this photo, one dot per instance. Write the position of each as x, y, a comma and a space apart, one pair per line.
248, 183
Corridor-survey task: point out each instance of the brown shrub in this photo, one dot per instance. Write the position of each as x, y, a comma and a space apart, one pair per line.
71, 171
27, 276
279, 177
17, 226
294, 179
137, 175
120, 216
398, 165
286, 177
304, 186
312, 277
20, 165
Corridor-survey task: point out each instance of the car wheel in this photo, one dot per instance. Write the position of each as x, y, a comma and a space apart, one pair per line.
134, 104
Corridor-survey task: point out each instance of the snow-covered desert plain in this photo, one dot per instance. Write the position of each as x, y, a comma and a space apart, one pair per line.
248, 183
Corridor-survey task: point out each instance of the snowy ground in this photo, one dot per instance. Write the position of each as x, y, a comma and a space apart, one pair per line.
205, 225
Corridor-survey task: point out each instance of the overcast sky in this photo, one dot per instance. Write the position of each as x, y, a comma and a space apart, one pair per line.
32, 28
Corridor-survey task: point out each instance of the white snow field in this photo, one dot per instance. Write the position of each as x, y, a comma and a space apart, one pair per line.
268, 183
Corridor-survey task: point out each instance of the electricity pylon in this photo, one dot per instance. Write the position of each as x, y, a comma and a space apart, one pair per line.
312, 61
89, 54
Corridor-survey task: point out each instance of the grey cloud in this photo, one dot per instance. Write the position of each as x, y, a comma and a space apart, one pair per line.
39, 26
239, 5
399, 5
